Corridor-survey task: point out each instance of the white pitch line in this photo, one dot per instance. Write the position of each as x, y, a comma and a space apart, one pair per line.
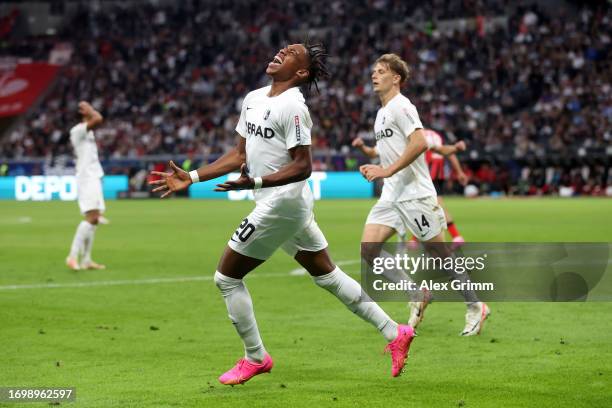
117, 282
14, 221
150, 281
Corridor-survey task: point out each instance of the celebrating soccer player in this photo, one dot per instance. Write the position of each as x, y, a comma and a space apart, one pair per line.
274, 157
89, 175
408, 198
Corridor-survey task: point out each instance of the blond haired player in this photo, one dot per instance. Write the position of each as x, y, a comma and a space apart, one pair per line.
408, 197
89, 175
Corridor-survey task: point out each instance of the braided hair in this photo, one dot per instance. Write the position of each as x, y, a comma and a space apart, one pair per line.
317, 68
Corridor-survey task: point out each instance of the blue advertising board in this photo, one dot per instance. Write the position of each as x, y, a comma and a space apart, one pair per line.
324, 185
43, 188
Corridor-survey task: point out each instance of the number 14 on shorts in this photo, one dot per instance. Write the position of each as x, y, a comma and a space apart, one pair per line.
423, 224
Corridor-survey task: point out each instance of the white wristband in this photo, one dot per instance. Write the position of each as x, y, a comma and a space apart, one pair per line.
195, 178
258, 181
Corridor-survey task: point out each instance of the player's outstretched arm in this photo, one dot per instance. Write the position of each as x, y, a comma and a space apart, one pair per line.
447, 150
93, 118
367, 150
230, 161
169, 183
462, 178
414, 148
179, 179
298, 169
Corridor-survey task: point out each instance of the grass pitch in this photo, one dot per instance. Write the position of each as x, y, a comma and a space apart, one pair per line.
152, 330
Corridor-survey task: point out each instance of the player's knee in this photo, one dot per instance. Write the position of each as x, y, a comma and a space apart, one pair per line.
437, 249
225, 283
369, 251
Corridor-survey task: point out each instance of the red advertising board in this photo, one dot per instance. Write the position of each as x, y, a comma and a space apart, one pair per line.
22, 84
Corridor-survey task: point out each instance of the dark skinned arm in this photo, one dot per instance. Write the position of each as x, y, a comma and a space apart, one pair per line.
179, 179
298, 169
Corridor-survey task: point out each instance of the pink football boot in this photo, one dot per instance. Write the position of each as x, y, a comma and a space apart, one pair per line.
244, 370
399, 348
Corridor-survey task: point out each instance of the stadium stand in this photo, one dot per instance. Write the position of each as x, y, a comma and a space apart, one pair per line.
527, 87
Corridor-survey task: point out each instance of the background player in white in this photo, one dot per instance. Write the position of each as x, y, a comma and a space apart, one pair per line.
89, 175
274, 129
408, 195
437, 151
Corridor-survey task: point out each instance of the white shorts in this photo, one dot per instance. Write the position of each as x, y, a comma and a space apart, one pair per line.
90, 196
264, 230
423, 217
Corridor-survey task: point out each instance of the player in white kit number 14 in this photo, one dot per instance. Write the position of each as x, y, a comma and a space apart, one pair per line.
89, 175
408, 197
274, 141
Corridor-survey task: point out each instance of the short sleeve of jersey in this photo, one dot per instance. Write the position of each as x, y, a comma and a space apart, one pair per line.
78, 132
241, 126
297, 125
407, 118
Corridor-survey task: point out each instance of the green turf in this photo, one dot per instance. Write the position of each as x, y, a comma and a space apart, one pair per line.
99, 338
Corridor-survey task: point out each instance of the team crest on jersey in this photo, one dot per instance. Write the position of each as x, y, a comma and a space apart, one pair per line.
267, 114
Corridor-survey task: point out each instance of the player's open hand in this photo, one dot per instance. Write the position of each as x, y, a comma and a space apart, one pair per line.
462, 178
460, 146
244, 182
373, 172
170, 182
86, 109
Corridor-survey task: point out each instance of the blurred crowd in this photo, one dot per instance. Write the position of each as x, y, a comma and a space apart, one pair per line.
518, 82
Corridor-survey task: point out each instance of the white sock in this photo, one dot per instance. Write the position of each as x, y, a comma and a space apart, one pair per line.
348, 291
90, 231
240, 311
78, 242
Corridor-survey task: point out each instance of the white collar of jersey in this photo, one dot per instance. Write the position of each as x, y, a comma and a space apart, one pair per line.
295, 92
396, 97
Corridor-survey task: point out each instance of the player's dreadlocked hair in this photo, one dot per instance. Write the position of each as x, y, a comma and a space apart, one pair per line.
318, 69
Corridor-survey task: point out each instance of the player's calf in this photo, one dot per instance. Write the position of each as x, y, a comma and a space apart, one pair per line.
417, 308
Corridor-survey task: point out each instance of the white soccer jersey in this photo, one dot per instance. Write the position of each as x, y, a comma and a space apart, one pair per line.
86, 151
395, 122
272, 126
